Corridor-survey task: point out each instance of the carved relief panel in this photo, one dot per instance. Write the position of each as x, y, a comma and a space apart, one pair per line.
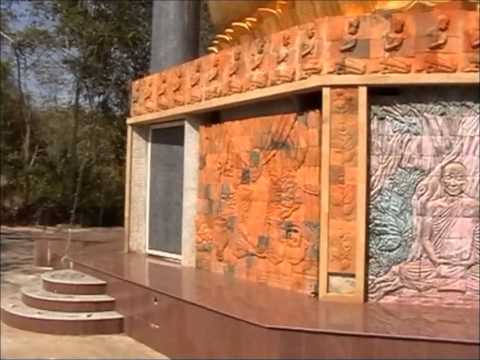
258, 207
437, 43
343, 182
311, 50
284, 57
348, 42
424, 231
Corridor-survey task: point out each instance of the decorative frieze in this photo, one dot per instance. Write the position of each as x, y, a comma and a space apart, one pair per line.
442, 40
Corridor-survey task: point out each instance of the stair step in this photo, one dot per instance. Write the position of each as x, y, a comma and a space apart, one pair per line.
72, 282
37, 297
19, 315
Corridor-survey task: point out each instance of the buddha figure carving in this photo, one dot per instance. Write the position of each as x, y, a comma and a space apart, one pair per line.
446, 260
394, 40
283, 72
136, 98
148, 97
177, 87
213, 87
234, 82
346, 64
258, 77
473, 59
438, 39
162, 99
195, 83
310, 56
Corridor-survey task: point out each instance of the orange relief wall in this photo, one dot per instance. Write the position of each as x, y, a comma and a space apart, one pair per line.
259, 197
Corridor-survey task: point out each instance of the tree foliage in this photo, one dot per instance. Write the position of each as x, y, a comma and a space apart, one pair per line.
65, 98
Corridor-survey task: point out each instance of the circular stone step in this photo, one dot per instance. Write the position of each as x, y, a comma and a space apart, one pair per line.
19, 315
72, 282
37, 297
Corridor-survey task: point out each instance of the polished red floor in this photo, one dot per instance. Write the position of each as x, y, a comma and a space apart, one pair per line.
281, 309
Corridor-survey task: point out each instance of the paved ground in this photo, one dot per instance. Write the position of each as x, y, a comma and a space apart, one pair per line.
16, 271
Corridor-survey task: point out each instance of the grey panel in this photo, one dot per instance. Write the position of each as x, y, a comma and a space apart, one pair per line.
166, 189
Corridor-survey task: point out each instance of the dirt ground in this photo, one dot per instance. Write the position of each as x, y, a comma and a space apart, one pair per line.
17, 270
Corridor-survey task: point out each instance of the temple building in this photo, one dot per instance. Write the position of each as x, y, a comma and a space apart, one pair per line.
309, 188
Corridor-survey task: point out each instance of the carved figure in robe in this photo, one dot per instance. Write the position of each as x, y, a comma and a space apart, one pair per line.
283, 72
311, 62
474, 59
136, 98
195, 88
438, 36
394, 40
177, 87
346, 64
234, 82
213, 88
258, 77
448, 260
162, 99
148, 98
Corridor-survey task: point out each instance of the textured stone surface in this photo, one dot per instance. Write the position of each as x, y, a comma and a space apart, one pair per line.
258, 199
424, 232
342, 225
138, 190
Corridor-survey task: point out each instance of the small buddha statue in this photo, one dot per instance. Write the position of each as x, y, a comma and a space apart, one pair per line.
394, 40
474, 59
311, 62
438, 36
213, 88
195, 83
234, 81
258, 77
346, 64
177, 87
283, 71
162, 99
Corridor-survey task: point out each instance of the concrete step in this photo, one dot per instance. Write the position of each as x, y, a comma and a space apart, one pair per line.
19, 315
72, 282
36, 296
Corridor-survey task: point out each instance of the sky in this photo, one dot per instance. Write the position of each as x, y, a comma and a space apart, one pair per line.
42, 87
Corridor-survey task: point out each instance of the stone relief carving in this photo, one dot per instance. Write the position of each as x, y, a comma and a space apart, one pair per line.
438, 39
345, 45
346, 64
310, 52
258, 215
178, 87
343, 187
473, 59
213, 85
394, 40
162, 98
234, 81
424, 231
284, 71
195, 82
137, 98
148, 94
258, 75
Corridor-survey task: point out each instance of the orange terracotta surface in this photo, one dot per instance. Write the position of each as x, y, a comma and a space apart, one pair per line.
258, 214
443, 39
343, 187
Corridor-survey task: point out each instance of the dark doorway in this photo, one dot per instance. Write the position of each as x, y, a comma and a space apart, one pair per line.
165, 191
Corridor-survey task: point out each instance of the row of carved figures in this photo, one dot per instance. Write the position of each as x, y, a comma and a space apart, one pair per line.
314, 49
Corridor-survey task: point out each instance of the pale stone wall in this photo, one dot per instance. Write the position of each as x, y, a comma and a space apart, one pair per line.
190, 185
138, 189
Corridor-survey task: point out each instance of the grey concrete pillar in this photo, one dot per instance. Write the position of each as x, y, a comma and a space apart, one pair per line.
175, 32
